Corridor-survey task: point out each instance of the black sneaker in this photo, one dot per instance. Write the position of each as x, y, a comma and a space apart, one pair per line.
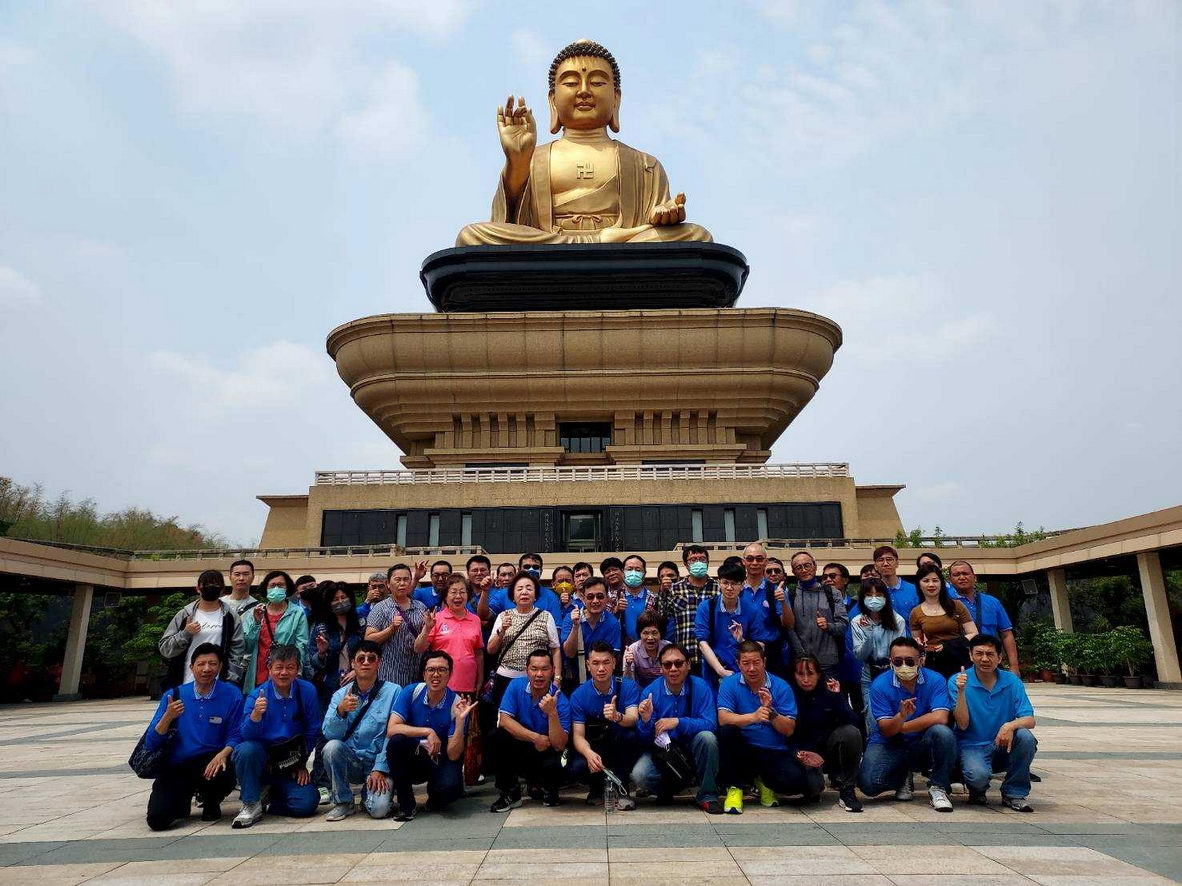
711, 807
505, 802
594, 797
551, 798
409, 814
211, 812
977, 798
535, 793
848, 800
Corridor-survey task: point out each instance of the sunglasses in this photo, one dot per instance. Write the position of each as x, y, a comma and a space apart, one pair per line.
904, 662
774, 570
365, 658
673, 664
834, 576
595, 596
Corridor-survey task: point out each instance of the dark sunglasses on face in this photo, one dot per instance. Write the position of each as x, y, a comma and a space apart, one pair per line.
365, 658
904, 662
672, 664
834, 576
595, 596
774, 570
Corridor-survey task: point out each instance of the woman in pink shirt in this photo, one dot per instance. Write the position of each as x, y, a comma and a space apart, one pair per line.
456, 631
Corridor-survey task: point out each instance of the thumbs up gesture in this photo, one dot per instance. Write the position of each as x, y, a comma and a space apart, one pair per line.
609, 711
961, 679
646, 708
260, 708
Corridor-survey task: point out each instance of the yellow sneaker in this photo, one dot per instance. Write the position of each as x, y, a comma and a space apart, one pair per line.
733, 805
767, 797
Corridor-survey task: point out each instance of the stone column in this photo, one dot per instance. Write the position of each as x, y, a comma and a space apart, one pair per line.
75, 644
1060, 604
1157, 608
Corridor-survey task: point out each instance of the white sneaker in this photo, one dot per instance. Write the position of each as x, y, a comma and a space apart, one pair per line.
340, 812
624, 803
907, 790
938, 799
251, 812
325, 797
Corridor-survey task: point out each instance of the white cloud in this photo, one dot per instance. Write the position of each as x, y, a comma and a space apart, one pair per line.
902, 318
271, 378
17, 289
298, 65
393, 122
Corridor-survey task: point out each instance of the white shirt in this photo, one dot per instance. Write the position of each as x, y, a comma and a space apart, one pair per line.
211, 632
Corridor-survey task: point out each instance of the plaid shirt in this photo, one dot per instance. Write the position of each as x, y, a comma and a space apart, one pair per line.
679, 605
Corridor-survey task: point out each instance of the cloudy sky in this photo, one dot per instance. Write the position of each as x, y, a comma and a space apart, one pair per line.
985, 196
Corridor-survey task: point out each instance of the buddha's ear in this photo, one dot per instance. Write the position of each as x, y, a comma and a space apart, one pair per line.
555, 124
614, 123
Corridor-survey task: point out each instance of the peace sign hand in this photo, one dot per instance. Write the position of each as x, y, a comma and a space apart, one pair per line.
517, 129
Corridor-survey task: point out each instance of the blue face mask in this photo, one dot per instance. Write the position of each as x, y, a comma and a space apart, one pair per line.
633, 578
874, 604
277, 594
533, 571
698, 569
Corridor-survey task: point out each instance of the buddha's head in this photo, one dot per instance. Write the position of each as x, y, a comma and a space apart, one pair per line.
584, 88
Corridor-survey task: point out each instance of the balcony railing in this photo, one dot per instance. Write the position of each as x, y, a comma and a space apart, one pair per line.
582, 473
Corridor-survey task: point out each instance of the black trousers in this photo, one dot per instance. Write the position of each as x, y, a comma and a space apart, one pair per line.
740, 763
517, 758
408, 766
842, 753
487, 712
619, 748
172, 793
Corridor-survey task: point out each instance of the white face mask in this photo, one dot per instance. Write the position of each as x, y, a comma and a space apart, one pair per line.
874, 604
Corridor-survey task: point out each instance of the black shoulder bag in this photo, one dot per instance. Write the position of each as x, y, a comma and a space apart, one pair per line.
288, 755
671, 761
150, 763
373, 694
486, 692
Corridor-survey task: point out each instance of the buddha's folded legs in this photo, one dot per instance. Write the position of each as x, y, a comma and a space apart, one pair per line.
686, 231
506, 234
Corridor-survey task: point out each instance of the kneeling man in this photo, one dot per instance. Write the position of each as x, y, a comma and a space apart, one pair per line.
909, 729
427, 729
993, 721
676, 723
603, 725
355, 729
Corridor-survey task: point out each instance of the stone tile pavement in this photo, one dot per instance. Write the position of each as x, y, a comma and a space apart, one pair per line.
1109, 811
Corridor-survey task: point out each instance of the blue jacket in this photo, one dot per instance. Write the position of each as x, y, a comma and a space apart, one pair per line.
284, 717
696, 694
205, 727
369, 738
328, 663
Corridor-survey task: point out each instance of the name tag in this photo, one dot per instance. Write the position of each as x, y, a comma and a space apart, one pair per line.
215, 720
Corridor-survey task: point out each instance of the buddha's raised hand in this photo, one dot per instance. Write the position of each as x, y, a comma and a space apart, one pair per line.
518, 131
671, 212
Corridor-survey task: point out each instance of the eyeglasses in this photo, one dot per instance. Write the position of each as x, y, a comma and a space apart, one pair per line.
886, 558
833, 576
673, 664
436, 670
904, 662
774, 570
806, 564
755, 558
365, 658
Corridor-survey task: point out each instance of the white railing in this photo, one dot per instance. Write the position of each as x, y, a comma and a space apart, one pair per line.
583, 473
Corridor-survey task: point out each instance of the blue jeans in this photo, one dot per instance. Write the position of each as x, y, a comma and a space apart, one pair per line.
885, 766
979, 763
703, 749
287, 797
345, 768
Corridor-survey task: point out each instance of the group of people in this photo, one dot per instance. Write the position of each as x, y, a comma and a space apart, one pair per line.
741, 685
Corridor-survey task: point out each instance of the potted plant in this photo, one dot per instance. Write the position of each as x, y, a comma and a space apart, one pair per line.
1041, 641
1071, 651
1128, 645
1094, 661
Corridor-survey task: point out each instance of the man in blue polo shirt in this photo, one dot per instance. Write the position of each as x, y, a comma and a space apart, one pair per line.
993, 721
603, 725
533, 729
427, 729
280, 725
431, 596
678, 710
756, 719
205, 716
909, 729
587, 625
988, 614
904, 597
355, 729
636, 597
722, 622
764, 599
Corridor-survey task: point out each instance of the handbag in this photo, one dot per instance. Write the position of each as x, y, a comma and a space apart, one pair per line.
486, 691
150, 762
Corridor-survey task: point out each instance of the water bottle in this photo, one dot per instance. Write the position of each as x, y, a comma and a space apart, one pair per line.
611, 796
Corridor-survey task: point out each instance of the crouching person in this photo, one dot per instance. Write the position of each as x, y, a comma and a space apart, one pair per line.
280, 725
909, 729
603, 726
355, 732
676, 724
993, 721
427, 729
533, 728
827, 732
205, 716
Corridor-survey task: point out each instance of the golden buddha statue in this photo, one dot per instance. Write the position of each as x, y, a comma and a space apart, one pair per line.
585, 187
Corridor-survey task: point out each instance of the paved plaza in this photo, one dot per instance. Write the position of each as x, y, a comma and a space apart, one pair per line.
1109, 811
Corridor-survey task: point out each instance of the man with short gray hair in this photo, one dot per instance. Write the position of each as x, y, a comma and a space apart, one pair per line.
375, 593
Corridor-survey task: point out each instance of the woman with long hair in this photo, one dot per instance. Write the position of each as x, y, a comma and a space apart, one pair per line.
941, 625
873, 629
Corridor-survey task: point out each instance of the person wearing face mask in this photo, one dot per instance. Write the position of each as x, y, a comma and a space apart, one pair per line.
636, 597
563, 581
874, 627
279, 623
501, 600
677, 606
208, 619
909, 731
